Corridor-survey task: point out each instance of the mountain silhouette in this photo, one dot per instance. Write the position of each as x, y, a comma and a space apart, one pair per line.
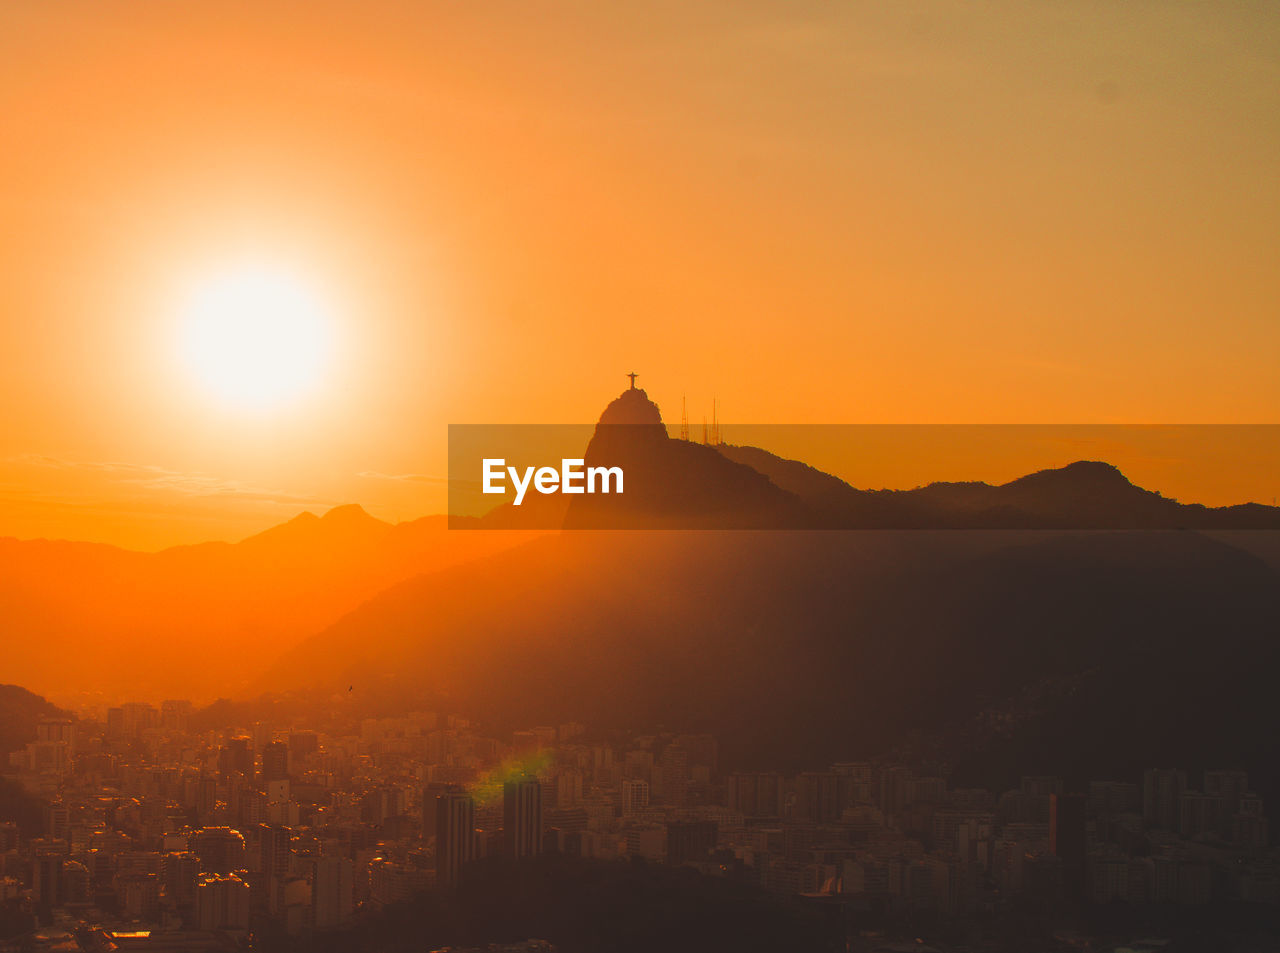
797, 645
672, 483
20, 712
1087, 494
86, 617
669, 484
797, 648
680, 484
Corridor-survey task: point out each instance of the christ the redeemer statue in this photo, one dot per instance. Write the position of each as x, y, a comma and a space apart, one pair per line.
633, 375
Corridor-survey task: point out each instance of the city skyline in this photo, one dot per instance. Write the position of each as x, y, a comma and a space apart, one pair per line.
292, 832
550, 476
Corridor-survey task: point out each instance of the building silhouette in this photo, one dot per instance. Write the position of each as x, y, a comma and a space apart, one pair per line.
274, 845
275, 762
635, 796
1162, 796
332, 891
222, 902
1067, 840
522, 817
690, 841
455, 835
220, 849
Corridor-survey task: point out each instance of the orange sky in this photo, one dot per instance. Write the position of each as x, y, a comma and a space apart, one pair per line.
878, 212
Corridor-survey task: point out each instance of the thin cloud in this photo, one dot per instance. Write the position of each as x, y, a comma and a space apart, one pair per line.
404, 477
191, 484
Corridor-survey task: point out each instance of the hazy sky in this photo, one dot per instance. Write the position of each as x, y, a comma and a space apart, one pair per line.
815, 212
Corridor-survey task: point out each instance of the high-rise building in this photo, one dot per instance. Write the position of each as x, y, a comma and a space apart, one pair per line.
179, 871
174, 714
46, 880
568, 788
236, 756
220, 849
138, 717
455, 835
675, 775
380, 803
570, 731
690, 841
332, 891
391, 882
890, 794
1108, 798
1036, 791
756, 795
303, 744
1229, 787
818, 796
274, 847
139, 894
222, 902
522, 817
115, 724
635, 796
77, 882
1162, 797
57, 818
1067, 840
57, 731
275, 762
204, 794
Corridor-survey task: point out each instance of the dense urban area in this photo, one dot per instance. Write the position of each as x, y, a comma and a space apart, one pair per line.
142, 833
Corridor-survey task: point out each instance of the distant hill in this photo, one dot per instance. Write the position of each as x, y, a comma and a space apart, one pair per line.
1136, 642
198, 621
1082, 495
20, 712
801, 647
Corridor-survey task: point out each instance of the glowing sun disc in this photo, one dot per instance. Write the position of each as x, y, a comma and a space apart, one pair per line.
255, 338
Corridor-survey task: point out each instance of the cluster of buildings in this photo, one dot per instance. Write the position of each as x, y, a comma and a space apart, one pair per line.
159, 837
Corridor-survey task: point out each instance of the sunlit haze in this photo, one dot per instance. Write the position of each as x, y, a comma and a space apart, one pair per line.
254, 338
812, 213
639, 476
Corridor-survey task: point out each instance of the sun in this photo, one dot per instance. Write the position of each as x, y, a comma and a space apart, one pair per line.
255, 338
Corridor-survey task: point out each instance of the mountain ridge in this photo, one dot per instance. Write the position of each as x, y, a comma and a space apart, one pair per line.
798, 648
90, 617
20, 711
1084, 494
681, 484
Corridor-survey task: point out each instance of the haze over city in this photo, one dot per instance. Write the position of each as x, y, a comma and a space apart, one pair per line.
928, 348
